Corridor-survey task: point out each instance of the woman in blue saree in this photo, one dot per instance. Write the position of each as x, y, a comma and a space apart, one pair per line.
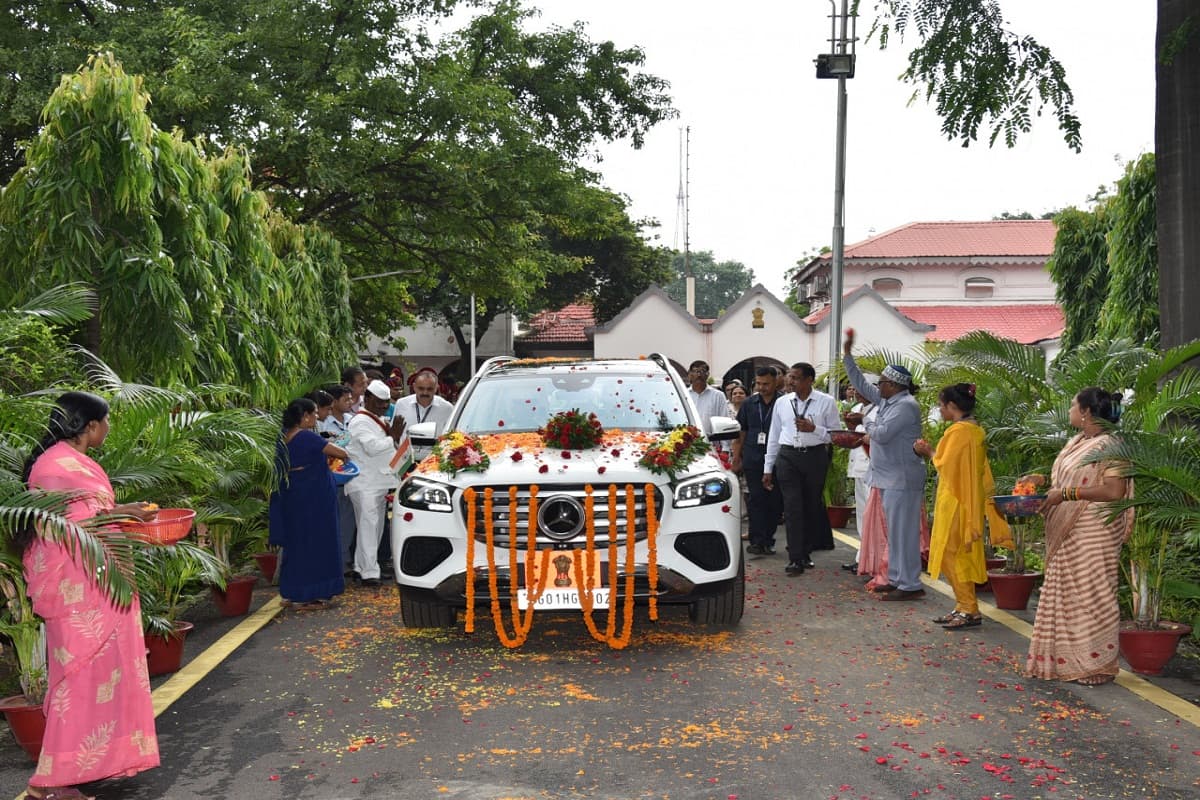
304, 511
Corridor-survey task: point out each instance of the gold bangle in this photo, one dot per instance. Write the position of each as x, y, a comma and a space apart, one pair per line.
1062, 495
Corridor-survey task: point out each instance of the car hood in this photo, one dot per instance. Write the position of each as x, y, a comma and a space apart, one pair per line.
525, 459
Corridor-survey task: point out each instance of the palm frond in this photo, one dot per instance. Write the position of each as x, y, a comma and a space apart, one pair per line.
64, 304
107, 557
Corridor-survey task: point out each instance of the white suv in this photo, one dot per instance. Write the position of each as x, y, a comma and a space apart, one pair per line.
698, 508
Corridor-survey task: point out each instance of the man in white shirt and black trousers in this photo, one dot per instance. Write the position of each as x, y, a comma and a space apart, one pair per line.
798, 458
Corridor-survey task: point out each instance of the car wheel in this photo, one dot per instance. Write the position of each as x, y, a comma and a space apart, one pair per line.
422, 610
726, 606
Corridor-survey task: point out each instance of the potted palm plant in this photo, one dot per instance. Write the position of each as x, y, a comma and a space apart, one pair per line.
838, 500
169, 579
27, 637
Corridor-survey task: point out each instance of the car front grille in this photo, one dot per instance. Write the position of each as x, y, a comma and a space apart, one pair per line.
502, 524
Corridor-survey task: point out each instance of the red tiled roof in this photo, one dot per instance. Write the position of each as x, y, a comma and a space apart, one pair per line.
1024, 323
1008, 237
567, 324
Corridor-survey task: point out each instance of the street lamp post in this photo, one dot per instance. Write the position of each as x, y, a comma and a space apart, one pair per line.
838, 64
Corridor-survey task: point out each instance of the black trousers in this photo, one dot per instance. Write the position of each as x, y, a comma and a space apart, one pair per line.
800, 476
764, 509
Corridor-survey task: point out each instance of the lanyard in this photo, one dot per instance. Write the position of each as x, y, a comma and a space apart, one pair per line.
798, 412
764, 412
422, 417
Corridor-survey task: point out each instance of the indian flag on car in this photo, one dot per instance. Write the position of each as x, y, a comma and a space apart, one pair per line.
402, 461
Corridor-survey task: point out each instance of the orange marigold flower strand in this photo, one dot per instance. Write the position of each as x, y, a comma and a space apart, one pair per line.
652, 549
469, 497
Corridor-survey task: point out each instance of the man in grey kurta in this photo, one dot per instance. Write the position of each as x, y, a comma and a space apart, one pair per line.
897, 471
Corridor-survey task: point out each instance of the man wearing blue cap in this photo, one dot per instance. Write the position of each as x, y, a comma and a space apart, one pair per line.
896, 470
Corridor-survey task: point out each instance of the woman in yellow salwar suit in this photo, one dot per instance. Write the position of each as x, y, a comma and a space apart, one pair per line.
963, 503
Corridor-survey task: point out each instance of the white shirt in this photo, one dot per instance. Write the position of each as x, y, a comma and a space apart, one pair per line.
819, 407
336, 428
860, 461
371, 448
709, 403
413, 413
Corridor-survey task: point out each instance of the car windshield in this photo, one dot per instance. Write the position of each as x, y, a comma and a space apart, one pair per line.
521, 400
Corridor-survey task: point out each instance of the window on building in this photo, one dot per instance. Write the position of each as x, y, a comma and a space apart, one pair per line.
888, 288
980, 287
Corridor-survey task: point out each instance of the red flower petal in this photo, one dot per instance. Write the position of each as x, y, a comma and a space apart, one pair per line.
408, 516
544, 468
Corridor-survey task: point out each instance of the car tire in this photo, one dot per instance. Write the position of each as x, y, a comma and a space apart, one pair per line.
422, 610
724, 607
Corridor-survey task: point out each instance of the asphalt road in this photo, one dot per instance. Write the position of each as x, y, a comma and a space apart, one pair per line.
821, 692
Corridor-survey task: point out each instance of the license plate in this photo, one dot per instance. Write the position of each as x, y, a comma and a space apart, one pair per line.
561, 598
554, 573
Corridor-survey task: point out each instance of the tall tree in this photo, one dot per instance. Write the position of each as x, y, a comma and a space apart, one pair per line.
718, 283
1079, 267
978, 72
616, 262
1130, 310
1176, 131
434, 156
173, 243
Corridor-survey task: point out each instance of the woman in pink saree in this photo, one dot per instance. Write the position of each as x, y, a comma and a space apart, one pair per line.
1075, 629
99, 715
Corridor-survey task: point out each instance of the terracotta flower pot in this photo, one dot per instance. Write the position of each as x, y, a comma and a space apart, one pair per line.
1013, 591
164, 654
992, 563
267, 564
234, 601
27, 722
838, 515
1147, 650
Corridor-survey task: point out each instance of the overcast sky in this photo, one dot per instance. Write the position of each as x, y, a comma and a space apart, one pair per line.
763, 127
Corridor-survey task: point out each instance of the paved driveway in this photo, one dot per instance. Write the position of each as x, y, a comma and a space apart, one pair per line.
822, 692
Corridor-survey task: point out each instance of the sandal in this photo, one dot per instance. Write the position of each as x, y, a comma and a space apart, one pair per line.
1095, 680
960, 620
60, 793
944, 618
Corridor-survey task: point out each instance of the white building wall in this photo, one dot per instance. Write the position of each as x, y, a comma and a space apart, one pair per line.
434, 346
735, 339
652, 327
944, 284
875, 328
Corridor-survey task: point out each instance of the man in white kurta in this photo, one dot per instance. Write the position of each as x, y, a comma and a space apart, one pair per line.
372, 446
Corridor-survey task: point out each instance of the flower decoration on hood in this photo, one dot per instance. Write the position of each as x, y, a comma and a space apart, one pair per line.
573, 430
675, 450
460, 452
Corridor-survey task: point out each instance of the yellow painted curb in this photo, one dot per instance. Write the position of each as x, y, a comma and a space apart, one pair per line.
206, 662
1176, 705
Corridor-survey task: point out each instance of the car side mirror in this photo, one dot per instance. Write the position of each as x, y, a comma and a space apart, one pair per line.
423, 434
724, 429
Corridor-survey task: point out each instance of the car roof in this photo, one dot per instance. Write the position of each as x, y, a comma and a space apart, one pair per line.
559, 364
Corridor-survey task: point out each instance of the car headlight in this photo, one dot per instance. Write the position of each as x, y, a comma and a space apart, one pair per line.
711, 488
426, 495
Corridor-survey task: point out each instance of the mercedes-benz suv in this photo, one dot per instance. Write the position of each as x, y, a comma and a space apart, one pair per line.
689, 516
